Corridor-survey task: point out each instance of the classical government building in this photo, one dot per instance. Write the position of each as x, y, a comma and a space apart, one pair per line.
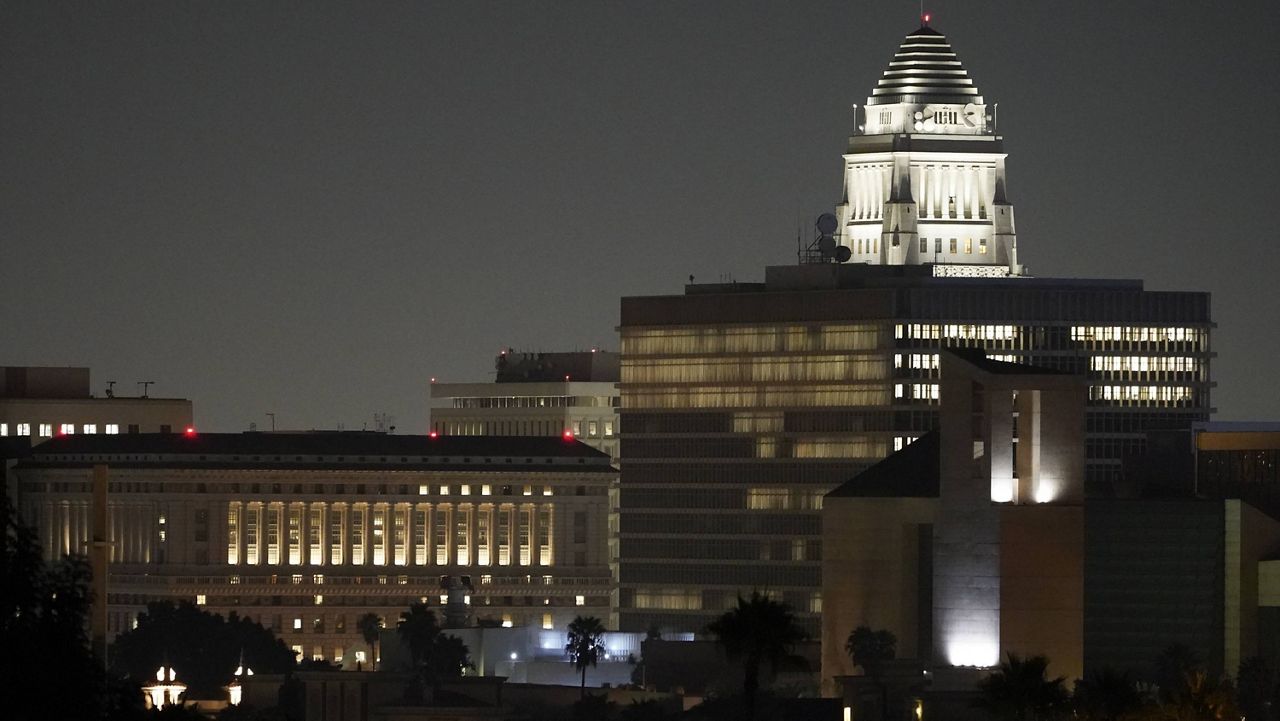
743, 404
306, 532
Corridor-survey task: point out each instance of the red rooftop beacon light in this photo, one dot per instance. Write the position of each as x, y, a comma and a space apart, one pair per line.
190, 432
433, 434
568, 434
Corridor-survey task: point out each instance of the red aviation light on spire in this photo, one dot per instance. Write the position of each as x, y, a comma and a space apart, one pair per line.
925, 17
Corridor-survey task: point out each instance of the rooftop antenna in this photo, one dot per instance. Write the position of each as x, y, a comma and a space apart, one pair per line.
111, 389
272, 416
145, 385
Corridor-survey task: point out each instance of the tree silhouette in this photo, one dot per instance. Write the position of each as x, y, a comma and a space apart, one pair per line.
757, 630
1198, 697
1258, 690
1173, 665
47, 667
585, 645
1106, 695
369, 626
204, 648
872, 650
434, 656
418, 628
1020, 690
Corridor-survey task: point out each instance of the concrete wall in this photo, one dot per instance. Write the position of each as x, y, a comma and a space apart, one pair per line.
1042, 585
871, 575
1251, 536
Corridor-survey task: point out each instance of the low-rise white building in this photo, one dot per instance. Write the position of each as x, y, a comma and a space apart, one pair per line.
536, 394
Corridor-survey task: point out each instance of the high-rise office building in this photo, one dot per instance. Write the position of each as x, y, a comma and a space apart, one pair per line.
744, 403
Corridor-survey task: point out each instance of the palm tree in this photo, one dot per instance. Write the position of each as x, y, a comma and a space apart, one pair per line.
1020, 690
369, 625
759, 629
418, 628
585, 644
871, 650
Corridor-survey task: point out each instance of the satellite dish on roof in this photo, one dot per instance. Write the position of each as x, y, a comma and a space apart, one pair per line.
824, 248
826, 224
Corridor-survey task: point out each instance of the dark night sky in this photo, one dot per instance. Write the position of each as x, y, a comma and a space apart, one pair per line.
310, 209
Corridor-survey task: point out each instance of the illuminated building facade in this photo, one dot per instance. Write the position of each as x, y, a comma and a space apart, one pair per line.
924, 173
977, 540
536, 394
306, 532
972, 537
744, 403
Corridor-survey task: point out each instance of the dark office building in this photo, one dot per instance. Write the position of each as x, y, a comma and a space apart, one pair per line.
744, 403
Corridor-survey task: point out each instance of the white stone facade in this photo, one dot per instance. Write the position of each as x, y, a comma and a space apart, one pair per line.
924, 175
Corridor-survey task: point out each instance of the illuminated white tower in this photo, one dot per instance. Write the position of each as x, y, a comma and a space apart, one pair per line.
924, 172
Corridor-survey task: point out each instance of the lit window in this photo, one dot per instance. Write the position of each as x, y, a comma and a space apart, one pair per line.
297, 653
608, 429
577, 428
90, 428
579, 600
464, 490
546, 622
4, 429
953, 246
297, 624
424, 490
546, 490
444, 490
113, 429
968, 245
485, 490
593, 429
24, 429
201, 599
67, 429
506, 620
982, 247
319, 599
528, 490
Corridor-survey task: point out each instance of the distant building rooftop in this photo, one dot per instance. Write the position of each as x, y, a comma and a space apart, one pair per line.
597, 366
44, 382
347, 449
